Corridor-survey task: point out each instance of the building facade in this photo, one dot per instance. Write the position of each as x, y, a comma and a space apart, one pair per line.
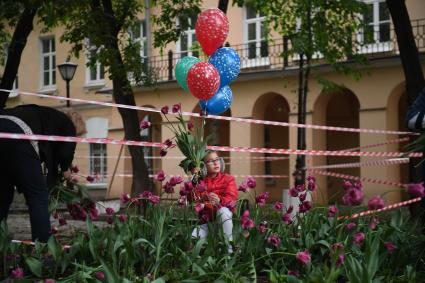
266, 89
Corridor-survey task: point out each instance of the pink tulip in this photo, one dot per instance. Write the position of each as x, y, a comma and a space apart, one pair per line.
350, 226
176, 107
303, 257
144, 124
332, 210
390, 247
160, 176
164, 110
190, 126
278, 205
274, 240
340, 260
17, 273
287, 218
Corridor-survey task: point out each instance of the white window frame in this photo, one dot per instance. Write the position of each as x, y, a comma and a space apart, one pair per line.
190, 34
51, 87
97, 127
98, 81
377, 46
102, 156
258, 60
142, 39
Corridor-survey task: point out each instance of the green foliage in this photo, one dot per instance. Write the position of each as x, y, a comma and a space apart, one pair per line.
160, 246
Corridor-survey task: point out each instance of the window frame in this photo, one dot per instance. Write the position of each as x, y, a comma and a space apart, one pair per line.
258, 60
377, 45
52, 59
98, 81
190, 32
102, 155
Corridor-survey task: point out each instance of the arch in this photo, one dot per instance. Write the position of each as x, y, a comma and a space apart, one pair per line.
219, 130
272, 107
395, 117
341, 109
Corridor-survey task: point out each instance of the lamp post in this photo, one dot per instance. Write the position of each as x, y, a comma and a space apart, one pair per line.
67, 71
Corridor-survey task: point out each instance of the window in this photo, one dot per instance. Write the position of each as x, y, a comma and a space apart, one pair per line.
95, 74
377, 23
48, 63
188, 38
138, 35
98, 165
255, 34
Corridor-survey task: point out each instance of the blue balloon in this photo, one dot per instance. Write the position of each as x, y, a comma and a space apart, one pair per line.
227, 63
219, 103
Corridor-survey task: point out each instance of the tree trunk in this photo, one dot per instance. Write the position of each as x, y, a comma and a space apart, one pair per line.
409, 55
222, 5
15, 49
123, 94
414, 77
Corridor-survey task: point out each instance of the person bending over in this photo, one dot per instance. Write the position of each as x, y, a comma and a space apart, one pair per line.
24, 163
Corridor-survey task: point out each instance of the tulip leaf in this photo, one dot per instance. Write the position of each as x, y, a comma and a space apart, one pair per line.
34, 265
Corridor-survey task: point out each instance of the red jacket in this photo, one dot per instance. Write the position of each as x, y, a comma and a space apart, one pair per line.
224, 186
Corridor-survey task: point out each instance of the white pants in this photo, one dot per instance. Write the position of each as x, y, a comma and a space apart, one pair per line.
225, 217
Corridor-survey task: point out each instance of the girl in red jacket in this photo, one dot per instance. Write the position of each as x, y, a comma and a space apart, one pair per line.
221, 195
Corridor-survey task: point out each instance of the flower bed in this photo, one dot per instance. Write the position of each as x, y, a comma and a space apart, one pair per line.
269, 242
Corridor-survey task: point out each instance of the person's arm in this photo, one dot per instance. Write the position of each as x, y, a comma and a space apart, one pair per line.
231, 193
415, 116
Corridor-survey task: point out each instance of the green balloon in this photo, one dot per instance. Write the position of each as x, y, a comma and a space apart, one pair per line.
182, 68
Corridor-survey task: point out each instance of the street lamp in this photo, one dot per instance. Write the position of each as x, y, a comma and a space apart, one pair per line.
67, 70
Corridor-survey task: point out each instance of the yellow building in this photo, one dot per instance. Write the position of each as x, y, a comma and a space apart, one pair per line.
266, 89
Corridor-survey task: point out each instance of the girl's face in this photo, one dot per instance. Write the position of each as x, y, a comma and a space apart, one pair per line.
212, 161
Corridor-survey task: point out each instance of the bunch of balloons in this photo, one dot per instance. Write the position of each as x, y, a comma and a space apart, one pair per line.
209, 81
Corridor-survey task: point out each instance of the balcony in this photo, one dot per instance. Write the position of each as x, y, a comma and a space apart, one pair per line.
268, 56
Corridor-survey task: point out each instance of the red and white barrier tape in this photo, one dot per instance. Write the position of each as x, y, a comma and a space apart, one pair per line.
389, 207
355, 178
243, 120
217, 148
241, 158
393, 161
400, 140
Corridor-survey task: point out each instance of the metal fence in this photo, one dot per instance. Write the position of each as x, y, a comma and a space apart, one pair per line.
272, 55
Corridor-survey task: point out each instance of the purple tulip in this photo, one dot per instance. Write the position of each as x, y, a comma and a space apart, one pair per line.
358, 238
109, 211
375, 203
287, 218
262, 227
100, 275
416, 189
190, 126
340, 260
251, 183
350, 226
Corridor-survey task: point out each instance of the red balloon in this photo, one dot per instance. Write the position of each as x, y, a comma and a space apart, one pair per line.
211, 30
203, 80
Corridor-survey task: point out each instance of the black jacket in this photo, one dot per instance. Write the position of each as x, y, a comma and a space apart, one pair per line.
48, 121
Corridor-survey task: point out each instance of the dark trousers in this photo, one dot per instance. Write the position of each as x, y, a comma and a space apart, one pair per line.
20, 166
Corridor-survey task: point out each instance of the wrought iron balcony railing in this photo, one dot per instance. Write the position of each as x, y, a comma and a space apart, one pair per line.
266, 56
